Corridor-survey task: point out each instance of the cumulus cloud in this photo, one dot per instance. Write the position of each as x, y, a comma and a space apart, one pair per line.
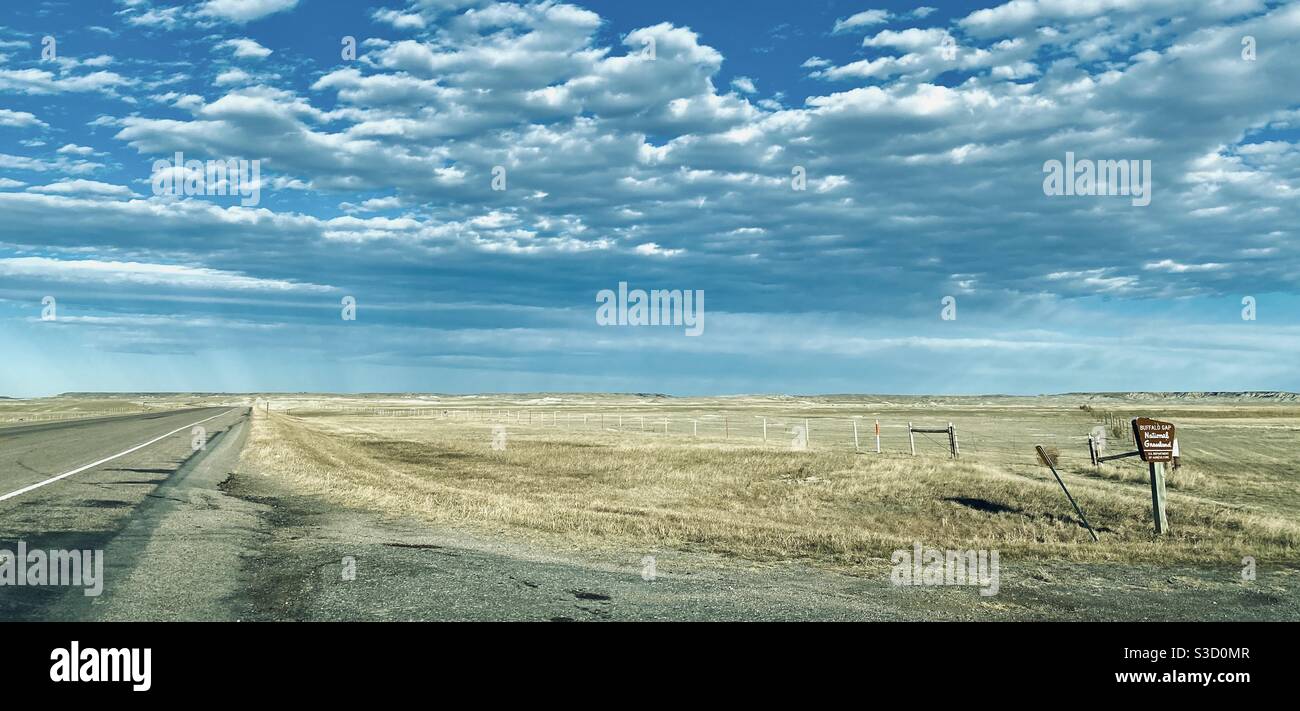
242, 11
918, 159
20, 119
244, 48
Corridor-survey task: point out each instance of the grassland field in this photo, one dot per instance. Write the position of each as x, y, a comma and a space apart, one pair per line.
593, 472
596, 472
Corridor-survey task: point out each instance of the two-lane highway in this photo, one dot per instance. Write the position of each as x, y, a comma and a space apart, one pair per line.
78, 485
34, 456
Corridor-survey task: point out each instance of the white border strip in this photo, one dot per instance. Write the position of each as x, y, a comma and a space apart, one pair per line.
92, 465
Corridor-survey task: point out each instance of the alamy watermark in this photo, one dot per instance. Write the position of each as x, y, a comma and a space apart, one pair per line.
658, 307
74, 568
215, 177
90, 664
1099, 178
931, 566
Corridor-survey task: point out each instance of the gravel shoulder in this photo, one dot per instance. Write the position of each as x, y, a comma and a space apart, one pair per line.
322, 562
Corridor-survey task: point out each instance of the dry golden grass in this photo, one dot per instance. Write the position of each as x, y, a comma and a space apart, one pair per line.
620, 490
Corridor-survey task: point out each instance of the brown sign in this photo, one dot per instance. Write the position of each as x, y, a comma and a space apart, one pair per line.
1155, 439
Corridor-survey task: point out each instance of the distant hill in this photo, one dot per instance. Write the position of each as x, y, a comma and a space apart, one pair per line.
1255, 395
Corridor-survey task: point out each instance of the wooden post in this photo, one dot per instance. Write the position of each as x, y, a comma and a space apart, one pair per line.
1092, 452
1158, 497
1042, 457
911, 438
952, 440
855, 434
695, 428
764, 429
877, 436
807, 433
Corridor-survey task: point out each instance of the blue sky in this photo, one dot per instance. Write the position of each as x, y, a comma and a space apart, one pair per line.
922, 133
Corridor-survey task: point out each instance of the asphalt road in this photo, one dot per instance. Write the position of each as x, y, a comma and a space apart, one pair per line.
86, 484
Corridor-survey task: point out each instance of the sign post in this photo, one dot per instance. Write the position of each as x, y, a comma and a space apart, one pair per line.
1155, 441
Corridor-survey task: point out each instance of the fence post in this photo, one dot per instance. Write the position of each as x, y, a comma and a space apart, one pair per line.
807, 433
952, 440
877, 436
855, 434
911, 438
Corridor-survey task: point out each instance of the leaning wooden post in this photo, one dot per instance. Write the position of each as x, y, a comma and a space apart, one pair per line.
911, 438
855, 434
952, 441
1047, 461
1092, 452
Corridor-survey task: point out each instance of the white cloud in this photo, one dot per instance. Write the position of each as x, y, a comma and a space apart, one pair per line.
245, 48
82, 187
39, 81
20, 119
399, 20
233, 75
650, 249
866, 18
241, 11
744, 85
146, 274
74, 149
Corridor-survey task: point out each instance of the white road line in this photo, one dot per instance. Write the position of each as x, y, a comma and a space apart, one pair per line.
92, 465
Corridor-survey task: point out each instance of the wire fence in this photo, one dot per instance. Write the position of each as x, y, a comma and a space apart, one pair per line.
12, 418
1004, 440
